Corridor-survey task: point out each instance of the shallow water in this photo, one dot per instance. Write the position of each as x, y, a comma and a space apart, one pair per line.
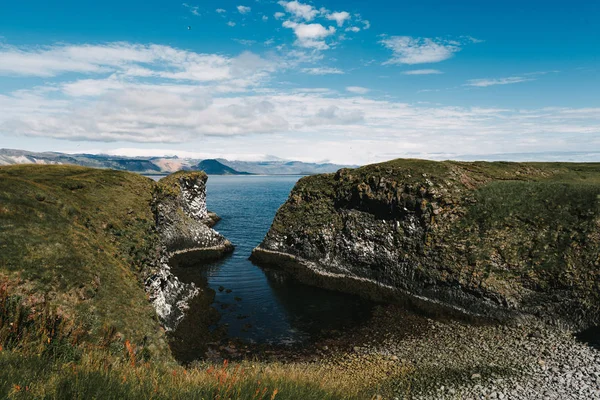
266, 306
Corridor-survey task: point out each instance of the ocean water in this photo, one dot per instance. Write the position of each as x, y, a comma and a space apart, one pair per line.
259, 305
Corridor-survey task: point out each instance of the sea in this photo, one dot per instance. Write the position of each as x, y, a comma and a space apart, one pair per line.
260, 305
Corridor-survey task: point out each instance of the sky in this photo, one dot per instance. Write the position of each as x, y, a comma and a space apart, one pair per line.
350, 82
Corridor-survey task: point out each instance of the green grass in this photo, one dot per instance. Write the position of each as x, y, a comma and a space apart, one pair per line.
512, 231
75, 321
96, 377
42, 356
78, 238
545, 230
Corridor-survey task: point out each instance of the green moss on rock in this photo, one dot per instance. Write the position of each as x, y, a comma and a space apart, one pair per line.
493, 239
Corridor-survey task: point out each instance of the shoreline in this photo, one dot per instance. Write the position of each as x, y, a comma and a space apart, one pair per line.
408, 355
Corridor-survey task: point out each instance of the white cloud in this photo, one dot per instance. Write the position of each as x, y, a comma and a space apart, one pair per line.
304, 124
366, 23
314, 90
474, 40
120, 92
52, 61
245, 42
265, 18
339, 17
323, 71
129, 62
310, 35
358, 89
497, 81
243, 9
152, 115
92, 87
193, 9
278, 15
409, 50
310, 125
423, 72
231, 23
300, 10
353, 29
220, 10
333, 115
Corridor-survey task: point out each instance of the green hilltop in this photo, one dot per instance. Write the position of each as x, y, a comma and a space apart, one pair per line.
79, 238
488, 237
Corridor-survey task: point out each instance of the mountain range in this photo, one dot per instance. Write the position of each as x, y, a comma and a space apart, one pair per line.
166, 165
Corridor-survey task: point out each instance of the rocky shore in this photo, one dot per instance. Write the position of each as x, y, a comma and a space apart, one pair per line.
402, 355
502, 241
184, 227
450, 360
501, 256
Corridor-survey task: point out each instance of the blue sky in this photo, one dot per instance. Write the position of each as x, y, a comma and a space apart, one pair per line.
349, 82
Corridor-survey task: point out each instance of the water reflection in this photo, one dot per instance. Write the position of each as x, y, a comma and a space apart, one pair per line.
312, 310
256, 305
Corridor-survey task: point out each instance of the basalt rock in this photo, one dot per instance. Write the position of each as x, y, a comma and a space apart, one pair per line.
486, 240
182, 218
186, 237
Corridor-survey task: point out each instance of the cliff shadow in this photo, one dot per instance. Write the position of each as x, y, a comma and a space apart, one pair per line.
590, 336
198, 331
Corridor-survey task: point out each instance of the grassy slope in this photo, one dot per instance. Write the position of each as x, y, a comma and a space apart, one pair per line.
74, 318
507, 228
79, 237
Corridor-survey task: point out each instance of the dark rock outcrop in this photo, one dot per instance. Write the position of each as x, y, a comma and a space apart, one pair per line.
490, 240
182, 218
184, 227
214, 167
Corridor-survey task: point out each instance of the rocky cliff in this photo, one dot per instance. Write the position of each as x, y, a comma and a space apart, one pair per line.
492, 240
95, 244
183, 224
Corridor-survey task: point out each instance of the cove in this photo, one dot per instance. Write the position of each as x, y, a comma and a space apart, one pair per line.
248, 303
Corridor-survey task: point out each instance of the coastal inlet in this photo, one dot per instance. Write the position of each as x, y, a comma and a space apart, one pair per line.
242, 301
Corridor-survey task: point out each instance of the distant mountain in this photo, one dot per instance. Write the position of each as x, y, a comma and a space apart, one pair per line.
8, 157
167, 165
283, 167
214, 167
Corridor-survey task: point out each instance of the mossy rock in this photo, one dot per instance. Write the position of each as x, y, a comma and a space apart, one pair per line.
493, 239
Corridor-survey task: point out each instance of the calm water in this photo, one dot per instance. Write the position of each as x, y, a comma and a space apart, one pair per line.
266, 306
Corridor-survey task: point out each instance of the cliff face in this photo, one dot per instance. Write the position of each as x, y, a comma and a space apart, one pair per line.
183, 224
83, 241
487, 239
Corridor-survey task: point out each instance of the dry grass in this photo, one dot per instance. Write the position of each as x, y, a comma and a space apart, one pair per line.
43, 356
100, 375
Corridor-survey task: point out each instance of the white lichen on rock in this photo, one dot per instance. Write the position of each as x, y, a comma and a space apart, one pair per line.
182, 221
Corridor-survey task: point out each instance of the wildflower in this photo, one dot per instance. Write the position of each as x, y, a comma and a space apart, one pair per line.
131, 352
274, 394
